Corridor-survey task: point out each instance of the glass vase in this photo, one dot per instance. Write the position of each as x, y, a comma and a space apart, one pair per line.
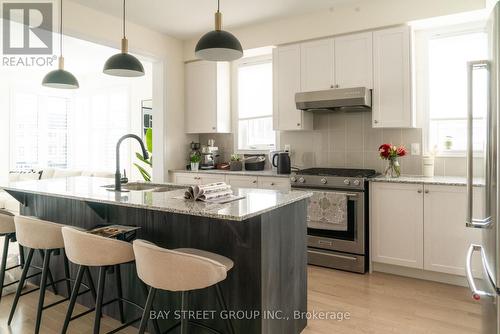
393, 169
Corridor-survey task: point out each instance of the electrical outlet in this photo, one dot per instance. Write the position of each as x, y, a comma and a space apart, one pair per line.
287, 148
415, 149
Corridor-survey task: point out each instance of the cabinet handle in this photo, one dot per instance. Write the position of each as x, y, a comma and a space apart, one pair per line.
427, 191
298, 124
254, 181
419, 191
375, 121
331, 86
337, 86
272, 183
213, 127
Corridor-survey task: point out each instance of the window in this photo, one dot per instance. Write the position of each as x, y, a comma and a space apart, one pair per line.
446, 90
75, 131
255, 105
40, 131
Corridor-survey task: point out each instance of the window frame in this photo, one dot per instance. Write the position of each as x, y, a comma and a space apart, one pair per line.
422, 39
246, 61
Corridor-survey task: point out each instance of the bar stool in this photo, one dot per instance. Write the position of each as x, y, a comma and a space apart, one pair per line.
45, 237
89, 250
8, 231
189, 269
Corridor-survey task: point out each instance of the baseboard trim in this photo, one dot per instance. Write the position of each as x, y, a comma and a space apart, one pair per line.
420, 274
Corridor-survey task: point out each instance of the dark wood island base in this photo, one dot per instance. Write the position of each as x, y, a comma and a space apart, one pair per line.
264, 291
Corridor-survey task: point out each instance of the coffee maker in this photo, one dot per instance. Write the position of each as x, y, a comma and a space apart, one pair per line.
210, 155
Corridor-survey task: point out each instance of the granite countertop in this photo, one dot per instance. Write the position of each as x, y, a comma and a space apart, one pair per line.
437, 180
91, 189
266, 172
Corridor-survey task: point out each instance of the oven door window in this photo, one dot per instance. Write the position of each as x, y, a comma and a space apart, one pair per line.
347, 234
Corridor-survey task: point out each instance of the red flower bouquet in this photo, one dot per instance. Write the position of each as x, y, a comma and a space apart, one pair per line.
392, 153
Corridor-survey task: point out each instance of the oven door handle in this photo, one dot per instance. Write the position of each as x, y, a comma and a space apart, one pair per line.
353, 195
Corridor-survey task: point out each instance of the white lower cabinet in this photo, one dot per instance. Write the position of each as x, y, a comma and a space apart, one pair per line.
446, 238
397, 224
423, 226
242, 181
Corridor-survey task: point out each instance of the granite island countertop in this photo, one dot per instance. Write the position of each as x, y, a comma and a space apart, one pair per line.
91, 189
267, 172
436, 180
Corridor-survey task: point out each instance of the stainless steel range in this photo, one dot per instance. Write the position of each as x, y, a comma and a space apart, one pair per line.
337, 216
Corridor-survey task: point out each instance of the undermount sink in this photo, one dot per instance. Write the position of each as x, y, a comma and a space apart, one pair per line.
139, 186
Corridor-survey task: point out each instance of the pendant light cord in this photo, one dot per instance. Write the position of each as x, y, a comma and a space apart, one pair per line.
60, 29
218, 6
123, 18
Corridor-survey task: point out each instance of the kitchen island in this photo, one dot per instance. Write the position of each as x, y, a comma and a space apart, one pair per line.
264, 234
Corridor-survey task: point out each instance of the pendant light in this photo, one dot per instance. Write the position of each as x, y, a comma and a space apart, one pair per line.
60, 78
124, 64
218, 45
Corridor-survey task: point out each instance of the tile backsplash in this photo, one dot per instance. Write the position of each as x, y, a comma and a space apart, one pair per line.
347, 139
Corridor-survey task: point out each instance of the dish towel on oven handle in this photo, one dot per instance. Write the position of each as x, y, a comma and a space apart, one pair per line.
327, 211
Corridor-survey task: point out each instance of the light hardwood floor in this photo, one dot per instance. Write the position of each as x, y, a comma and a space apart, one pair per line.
377, 303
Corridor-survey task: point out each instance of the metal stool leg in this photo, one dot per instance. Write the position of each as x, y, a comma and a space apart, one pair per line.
21, 284
156, 327
90, 282
43, 286
3, 265
74, 295
51, 279
21, 255
147, 309
184, 307
118, 278
100, 294
66, 274
222, 303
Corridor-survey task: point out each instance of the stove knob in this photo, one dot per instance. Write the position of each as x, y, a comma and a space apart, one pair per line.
293, 179
356, 182
323, 180
301, 180
347, 182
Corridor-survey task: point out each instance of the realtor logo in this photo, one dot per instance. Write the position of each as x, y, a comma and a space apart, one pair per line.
27, 28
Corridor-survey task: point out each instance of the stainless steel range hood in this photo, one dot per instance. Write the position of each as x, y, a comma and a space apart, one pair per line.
351, 99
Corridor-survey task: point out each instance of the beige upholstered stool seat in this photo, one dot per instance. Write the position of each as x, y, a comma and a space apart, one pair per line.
92, 250
180, 270
228, 263
174, 270
7, 225
35, 233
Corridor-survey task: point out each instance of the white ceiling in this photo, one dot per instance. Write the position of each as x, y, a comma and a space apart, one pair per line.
187, 18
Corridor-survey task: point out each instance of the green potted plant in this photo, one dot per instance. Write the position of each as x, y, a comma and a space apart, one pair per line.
195, 162
146, 170
235, 164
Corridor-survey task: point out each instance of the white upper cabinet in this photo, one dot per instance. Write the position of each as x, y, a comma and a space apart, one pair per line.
207, 97
354, 61
392, 100
317, 65
286, 82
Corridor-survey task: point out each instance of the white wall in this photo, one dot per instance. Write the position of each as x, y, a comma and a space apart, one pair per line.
167, 55
349, 17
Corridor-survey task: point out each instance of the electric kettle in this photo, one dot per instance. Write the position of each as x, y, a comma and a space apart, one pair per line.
282, 163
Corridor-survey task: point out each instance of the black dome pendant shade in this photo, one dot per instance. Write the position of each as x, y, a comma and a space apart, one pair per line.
218, 45
60, 78
123, 64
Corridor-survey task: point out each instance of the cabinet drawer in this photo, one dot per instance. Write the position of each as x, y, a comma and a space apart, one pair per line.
207, 178
240, 181
187, 178
279, 183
